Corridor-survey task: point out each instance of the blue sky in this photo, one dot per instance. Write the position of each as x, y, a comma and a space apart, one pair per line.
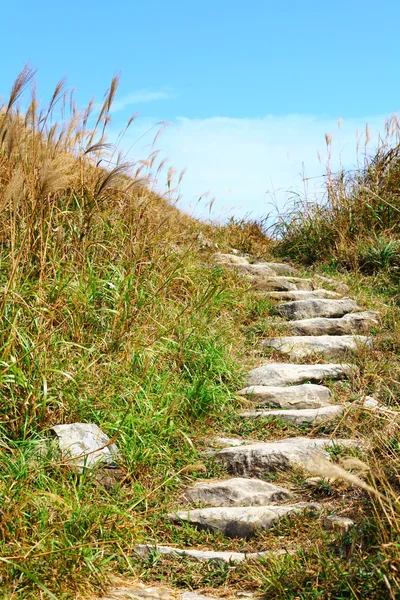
250, 88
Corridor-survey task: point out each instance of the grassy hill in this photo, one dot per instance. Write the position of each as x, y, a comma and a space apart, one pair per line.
112, 313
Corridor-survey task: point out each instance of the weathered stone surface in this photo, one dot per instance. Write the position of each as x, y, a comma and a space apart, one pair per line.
329, 346
201, 555
225, 441
195, 596
205, 242
236, 492
282, 374
257, 269
238, 522
342, 288
370, 402
84, 445
264, 457
303, 295
307, 395
281, 284
306, 309
280, 268
126, 590
342, 524
304, 416
359, 322
230, 259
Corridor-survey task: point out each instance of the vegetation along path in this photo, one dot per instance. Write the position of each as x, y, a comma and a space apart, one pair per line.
183, 413
321, 338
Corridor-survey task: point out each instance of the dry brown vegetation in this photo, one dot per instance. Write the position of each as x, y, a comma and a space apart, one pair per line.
111, 313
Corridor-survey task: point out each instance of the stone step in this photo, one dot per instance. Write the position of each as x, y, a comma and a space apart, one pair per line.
225, 441
230, 259
359, 322
236, 492
203, 555
243, 265
283, 374
265, 269
280, 268
307, 395
238, 522
256, 459
255, 269
303, 416
342, 288
133, 590
282, 284
304, 295
329, 346
306, 309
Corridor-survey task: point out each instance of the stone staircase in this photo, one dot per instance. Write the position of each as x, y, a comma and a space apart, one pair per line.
319, 323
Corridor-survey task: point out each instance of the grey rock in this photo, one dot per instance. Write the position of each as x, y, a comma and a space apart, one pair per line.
303, 295
283, 374
264, 457
329, 346
205, 242
84, 445
306, 309
307, 395
236, 492
342, 288
359, 322
230, 259
136, 591
257, 269
195, 596
282, 284
304, 416
225, 441
238, 522
280, 268
200, 555
370, 402
342, 524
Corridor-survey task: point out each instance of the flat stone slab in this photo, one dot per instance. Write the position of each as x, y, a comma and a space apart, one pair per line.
230, 259
303, 416
259, 269
303, 295
256, 269
307, 395
359, 322
306, 309
265, 457
225, 441
236, 492
238, 522
342, 288
201, 555
280, 268
84, 446
126, 590
282, 284
283, 374
329, 346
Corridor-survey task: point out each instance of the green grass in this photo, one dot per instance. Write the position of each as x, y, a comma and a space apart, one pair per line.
111, 313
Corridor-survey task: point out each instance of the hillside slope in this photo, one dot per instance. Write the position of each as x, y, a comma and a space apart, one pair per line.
116, 311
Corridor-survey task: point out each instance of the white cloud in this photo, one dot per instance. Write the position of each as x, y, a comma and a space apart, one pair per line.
140, 97
247, 164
